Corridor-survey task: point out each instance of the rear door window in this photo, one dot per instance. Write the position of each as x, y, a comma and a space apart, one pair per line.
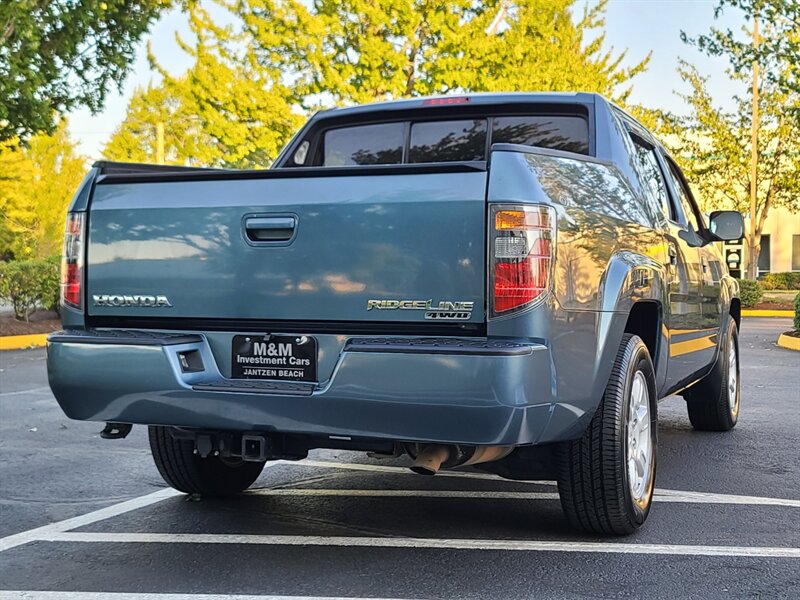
379, 144
554, 132
447, 141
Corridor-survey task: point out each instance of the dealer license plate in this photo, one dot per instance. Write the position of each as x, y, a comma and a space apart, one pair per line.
278, 357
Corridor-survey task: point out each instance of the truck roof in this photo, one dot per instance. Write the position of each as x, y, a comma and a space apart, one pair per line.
473, 99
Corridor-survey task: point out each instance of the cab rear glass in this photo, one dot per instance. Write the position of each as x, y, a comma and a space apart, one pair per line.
380, 144
445, 140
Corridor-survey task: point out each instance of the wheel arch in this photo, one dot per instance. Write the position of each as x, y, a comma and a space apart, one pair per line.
646, 319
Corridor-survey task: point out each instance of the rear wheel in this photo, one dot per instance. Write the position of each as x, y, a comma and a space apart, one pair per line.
187, 472
713, 402
606, 478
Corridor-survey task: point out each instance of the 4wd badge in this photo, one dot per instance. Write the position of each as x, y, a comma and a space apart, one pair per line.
443, 311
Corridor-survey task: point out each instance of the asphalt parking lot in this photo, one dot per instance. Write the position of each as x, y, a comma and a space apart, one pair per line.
85, 518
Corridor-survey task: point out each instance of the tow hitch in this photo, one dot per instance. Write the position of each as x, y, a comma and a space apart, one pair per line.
116, 431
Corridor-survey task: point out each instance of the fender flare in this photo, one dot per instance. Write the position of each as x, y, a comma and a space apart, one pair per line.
630, 278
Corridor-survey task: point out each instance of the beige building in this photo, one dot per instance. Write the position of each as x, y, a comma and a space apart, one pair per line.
780, 245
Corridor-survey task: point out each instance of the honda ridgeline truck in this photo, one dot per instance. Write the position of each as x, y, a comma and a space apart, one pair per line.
509, 281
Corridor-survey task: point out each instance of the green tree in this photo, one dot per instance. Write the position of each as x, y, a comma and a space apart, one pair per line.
778, 52
252, 81
134, 140
37, 180
225, 111
715, 150
354, 51
776, 124
56, 55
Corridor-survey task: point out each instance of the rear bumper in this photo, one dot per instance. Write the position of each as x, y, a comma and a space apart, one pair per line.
463, 391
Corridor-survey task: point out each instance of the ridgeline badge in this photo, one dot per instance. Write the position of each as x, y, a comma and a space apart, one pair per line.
443, 311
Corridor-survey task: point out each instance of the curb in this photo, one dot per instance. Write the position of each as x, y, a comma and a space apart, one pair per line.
751, 312
787, 341
18, 342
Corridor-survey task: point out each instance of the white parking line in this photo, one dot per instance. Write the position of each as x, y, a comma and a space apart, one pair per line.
108, 512
325, 464
57, 531
432, 543
32, 595
406, 494
660, 495
35, 595
38, 390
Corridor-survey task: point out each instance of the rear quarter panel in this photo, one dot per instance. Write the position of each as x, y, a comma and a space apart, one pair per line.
609, 254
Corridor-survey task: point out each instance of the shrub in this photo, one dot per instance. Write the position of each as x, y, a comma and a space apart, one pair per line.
781, 281
50, 284
28, 284
797, 312
750, 292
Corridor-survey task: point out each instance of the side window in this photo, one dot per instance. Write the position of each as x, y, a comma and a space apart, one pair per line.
689, 216
651, 176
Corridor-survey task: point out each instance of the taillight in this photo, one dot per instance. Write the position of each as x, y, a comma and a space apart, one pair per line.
72, 261
521, 247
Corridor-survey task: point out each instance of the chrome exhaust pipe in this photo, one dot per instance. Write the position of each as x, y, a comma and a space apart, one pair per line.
432, 456
429, 461
484, 454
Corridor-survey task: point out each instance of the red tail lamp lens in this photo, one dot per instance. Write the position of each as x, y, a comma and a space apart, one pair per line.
72, 261
522, 256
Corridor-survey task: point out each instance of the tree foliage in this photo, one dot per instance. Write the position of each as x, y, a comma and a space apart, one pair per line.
252, 81
355, 51
56, 55
37, 181
715, 150
225, 111
721, 146
135, 138
778, 52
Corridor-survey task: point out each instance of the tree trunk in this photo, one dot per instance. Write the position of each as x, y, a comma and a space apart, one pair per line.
754, 244
753, 250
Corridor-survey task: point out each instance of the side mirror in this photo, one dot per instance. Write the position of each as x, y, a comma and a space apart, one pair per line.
726, 225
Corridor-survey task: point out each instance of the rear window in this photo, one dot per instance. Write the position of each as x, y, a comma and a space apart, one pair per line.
554, 132
364, 145
447, 140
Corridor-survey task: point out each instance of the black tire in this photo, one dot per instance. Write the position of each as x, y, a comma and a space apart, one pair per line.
593, 477
709, 400
191, 474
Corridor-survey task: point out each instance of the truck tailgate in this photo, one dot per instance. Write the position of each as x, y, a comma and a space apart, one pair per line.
290, 248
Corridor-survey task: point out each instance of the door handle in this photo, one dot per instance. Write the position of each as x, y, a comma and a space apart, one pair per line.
673, 256
270, 229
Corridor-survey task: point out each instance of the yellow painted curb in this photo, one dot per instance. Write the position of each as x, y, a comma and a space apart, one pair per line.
751, 312
787, 341
17, 342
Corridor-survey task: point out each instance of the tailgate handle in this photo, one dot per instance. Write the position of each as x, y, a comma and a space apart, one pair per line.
269, 229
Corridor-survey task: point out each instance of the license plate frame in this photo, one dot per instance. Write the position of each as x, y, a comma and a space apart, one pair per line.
274, 358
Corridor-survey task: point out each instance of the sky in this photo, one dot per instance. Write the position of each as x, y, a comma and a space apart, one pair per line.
640, 26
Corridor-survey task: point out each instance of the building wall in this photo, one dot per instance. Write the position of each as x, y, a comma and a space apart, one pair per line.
781, 226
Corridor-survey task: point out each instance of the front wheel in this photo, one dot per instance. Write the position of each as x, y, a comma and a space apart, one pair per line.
187, 472
713, 402
606, 478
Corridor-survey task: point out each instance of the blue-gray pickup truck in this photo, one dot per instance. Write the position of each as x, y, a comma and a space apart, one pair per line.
509, 281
